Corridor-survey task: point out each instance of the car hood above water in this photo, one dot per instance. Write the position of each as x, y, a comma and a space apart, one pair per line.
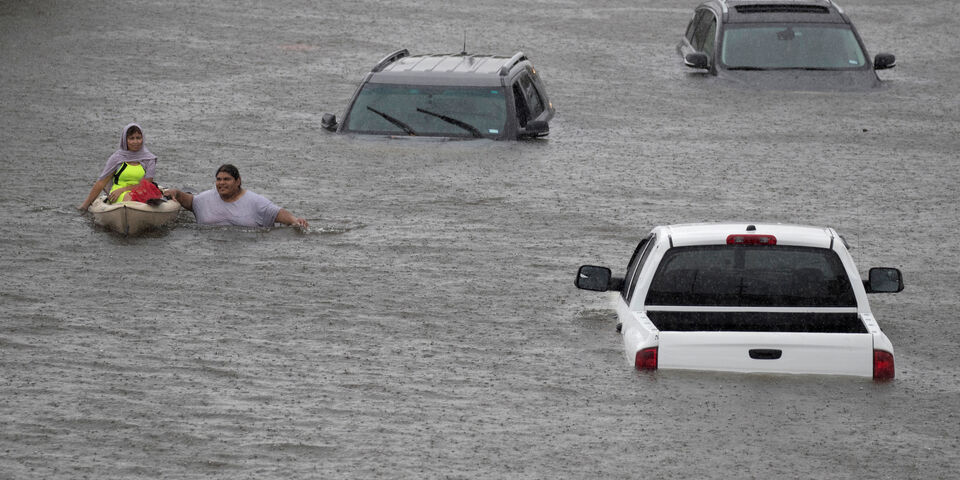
803, 80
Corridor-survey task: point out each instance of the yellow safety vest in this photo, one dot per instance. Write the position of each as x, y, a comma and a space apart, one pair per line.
125, 176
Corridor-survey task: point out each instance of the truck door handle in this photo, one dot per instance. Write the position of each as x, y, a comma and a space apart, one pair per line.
765, 353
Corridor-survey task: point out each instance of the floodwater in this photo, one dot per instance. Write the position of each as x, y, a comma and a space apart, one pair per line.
426, 326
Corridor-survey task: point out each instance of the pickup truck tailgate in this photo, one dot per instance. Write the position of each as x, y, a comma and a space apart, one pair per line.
768, 352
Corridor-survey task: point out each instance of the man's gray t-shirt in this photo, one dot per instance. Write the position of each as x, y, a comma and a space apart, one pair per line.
250, 210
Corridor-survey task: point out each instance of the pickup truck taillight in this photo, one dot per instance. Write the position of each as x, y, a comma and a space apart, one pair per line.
751, 239
882, 365
647, 359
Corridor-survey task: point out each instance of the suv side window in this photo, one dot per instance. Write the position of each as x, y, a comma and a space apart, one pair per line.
705, 30
523, 112
693, 27
634, 267
527, 98
689, 33
710, 38
532, 95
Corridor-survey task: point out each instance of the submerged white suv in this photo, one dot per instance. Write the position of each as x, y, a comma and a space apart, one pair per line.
748, 298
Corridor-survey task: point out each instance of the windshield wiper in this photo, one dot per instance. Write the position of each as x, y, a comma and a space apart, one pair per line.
403, 126
780, 68
464, 125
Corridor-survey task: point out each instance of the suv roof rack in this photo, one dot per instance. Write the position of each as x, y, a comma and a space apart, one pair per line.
393, 57
515, 59
781, 8
723, 5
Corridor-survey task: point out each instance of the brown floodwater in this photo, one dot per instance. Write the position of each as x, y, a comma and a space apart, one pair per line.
426, 325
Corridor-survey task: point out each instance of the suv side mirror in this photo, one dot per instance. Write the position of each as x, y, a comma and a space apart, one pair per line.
535, 128
884, 280
592, 277
883, 61
329, 122
697, 60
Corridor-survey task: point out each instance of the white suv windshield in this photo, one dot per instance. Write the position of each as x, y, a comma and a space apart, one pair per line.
755, 276
791, 46
428, 110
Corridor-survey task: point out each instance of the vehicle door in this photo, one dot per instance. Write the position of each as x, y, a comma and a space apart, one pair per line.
686, 44
632, 325
701, 35
528, 100
632, 277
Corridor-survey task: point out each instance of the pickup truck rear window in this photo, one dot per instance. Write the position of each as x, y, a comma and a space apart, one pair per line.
751, 276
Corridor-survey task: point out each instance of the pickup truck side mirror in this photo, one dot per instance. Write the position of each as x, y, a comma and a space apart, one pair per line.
697, 60
535, 128
329, 122
884, 61
884, 280
598, 279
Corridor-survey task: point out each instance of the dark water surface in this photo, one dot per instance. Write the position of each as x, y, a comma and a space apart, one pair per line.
426, 325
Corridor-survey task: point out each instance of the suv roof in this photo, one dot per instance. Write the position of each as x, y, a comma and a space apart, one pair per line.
801, 11
444, 69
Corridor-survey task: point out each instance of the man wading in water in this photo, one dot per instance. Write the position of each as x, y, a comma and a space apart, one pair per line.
231, 204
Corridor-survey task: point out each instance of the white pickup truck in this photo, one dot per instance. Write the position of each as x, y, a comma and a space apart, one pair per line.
765, 298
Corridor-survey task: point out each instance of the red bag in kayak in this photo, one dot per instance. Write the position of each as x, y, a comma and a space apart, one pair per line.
144, 191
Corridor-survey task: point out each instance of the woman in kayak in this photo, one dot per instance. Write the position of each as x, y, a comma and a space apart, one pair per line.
125, 168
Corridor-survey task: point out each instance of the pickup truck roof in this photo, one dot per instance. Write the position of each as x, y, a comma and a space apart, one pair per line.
716, 234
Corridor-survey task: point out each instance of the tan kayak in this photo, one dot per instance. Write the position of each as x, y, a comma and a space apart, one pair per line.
131, 218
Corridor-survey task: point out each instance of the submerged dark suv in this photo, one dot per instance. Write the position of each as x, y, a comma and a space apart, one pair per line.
468, 96
786, 44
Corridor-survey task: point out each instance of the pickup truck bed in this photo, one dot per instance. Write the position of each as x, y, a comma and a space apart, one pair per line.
769, 352
808, 322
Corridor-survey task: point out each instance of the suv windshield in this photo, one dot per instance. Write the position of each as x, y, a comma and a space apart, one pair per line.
751, 276
428, 110
814, 47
